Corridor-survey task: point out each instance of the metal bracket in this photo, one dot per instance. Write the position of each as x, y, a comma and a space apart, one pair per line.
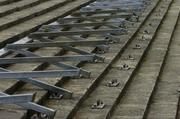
101, 49
124, 67
56, 96
98, 105
113, 83
129, 57
137, 46
146, 32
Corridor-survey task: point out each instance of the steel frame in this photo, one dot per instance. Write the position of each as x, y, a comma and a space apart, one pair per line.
33, 106
46, 86
43, 35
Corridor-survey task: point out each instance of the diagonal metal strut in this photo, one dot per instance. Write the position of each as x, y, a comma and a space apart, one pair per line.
41, 84
47, 59
35, 107
40, 74
62, 65
12, 99
56, 44
67, 33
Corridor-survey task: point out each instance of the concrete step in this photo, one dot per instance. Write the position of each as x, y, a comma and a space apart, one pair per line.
111, 96
27, 14
138, 95
5, 2
18, 6
164, 102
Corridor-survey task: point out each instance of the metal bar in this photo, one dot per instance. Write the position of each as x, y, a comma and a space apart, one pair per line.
39, 74
73, 49
78, 24
77, 38
12, 99
41, 84
115, 7
56, 44
109, 34
86, 10
112, 38
100, 58
47, 59
83, 72
111, 11
116, 4
61, 20
66, 33
30, 54
35, 107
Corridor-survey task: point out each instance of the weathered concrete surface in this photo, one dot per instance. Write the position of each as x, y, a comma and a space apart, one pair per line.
10, 114
135, 100
164, 102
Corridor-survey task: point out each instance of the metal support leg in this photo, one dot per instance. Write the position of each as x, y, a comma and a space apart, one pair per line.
33, 106
46, 86
13, 99
47, 59
40, 74
56, 44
